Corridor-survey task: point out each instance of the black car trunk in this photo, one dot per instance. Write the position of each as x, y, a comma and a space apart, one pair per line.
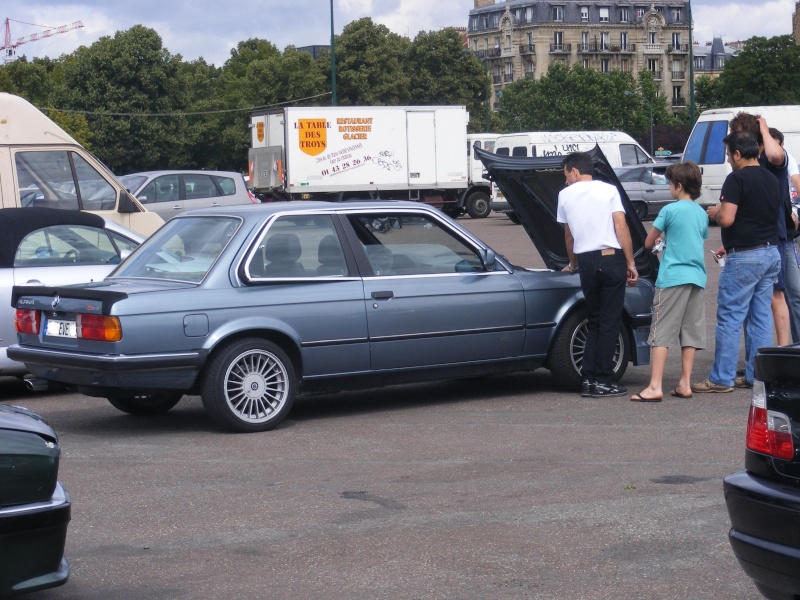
531, 186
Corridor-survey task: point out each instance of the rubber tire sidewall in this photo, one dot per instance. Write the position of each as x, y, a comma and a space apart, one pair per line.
559, 361
641, 210
479, 205
212, 390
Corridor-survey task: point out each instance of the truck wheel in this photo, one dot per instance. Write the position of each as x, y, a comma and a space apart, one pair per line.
478, 205
566, 353
249, 385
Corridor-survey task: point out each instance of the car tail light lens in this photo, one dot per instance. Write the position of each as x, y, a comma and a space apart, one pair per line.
768, 432
100, 328
27, 321
252, 197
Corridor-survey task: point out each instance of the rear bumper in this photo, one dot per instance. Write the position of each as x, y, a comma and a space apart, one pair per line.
765, 530
32, 538
177, 371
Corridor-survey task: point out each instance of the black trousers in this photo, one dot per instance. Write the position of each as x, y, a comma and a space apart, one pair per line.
603, 280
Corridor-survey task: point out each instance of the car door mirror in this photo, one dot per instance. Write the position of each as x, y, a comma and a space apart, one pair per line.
488, 258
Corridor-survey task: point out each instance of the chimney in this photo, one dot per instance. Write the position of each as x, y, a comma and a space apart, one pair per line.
482, 3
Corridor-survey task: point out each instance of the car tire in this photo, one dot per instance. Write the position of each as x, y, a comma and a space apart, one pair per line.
453, 211
772, 593
479, 205
249, 385
146, 405
641, 210
566, 353
514, 218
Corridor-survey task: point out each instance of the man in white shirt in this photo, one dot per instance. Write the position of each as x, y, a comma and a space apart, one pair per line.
600, 251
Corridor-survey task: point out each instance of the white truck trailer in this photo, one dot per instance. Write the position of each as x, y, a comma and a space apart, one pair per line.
358, 152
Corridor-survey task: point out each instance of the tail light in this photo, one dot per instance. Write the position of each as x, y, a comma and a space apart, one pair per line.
768, 432
98, 327
27, 321
252, 197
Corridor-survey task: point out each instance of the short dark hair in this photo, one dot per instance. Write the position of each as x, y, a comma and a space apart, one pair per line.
744, 121
742, 141
688, 175
776, 135
578, 160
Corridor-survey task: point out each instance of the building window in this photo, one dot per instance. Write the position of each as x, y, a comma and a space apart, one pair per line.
495, 19
677, 17
486, 22
676, 91
604, 15
584, 41
475, 45
558, 40
508, 41
639, 12
676, 41
623, 40
651, 37
624, 15
623, 65
720, 62
699, 63
558, 14
529, 14
604, 40
652, 65
530, 38
604, 65
518, 15
584, 13
585, 63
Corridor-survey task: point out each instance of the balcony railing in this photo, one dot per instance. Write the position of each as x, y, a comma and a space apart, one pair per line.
529, 75
656, 75
678, 102
678, 75
527, 49
560, 48
508, 77
679, 48
497, 79
653, 48
613, 48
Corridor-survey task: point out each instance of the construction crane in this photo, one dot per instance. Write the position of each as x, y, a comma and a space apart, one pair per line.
9, 49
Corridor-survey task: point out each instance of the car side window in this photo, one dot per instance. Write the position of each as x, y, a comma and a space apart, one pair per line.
199, 186
627, 154
64, 245
298, 246
45, 178
226, 184
412, 244
161, 189
96, 192
519, 151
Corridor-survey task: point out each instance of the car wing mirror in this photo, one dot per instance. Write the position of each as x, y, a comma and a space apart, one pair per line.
488, 258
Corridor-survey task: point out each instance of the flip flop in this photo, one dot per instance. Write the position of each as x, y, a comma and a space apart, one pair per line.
639, 398
677, 394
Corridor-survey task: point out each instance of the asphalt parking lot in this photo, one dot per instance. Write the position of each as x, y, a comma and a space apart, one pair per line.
495, 487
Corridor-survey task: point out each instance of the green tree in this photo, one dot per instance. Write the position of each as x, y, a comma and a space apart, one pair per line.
706, 93
114, 79
765, 72
443, 73
371, 66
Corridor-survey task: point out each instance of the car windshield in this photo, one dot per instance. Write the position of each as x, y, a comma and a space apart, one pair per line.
183, 250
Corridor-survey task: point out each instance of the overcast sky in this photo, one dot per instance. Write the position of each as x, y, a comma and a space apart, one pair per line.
205, 29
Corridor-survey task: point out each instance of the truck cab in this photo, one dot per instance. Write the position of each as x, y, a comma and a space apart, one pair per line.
41, 165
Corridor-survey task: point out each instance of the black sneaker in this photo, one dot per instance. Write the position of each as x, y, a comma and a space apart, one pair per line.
587, 387
604, 390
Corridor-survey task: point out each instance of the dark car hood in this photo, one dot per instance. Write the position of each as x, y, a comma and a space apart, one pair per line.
531, 187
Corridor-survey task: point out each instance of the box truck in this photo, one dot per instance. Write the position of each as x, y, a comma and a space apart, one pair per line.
359, 152
705, 146
42, 165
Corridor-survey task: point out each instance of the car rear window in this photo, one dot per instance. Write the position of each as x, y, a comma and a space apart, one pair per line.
226, 184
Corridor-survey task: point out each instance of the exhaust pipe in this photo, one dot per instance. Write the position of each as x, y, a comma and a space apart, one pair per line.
36, 384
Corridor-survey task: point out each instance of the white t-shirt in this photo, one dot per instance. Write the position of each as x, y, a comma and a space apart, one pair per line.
791, 169
587, 206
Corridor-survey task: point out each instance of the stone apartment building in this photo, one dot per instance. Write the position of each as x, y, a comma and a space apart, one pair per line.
522, 38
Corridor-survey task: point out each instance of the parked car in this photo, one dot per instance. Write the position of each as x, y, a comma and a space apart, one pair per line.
35, 509
41, 246
252, 304
647, 188
763, 499
169, 193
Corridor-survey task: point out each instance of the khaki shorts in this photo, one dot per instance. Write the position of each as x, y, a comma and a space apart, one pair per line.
679, 317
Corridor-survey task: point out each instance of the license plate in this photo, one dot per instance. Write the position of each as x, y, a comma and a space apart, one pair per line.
56, 328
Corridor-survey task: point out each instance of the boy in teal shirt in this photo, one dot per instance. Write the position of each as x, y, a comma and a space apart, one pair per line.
678, 303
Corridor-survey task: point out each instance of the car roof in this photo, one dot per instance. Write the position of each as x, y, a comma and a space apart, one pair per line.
270, 208
181, 172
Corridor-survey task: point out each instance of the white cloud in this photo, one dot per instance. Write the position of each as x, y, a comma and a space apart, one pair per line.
739, 21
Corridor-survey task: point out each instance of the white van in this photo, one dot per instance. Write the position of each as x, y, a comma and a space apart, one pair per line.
705, 145
42, 165
620, 149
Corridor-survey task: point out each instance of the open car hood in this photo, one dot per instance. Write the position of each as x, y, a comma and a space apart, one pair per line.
531, 187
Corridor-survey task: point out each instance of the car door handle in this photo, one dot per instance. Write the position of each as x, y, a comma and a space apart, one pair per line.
382, 295
649, 191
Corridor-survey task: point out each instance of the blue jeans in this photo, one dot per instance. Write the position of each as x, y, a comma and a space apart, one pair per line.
792, 289
745, 293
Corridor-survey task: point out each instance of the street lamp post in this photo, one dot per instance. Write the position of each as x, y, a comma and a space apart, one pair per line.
333, 62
